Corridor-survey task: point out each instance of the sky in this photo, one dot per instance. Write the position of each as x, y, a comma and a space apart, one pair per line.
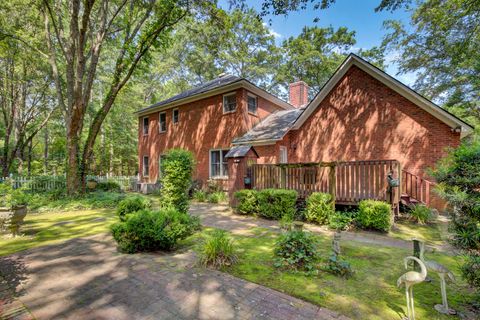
357, 15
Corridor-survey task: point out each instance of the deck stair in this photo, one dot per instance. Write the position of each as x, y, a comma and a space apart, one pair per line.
415, 190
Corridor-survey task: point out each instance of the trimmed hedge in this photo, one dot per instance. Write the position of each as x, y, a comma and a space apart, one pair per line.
319, 208
247, 202
153, 230
374, 214
131, 205
276, 203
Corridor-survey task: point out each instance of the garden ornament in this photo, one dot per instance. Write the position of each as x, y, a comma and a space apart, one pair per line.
442, 272
409, 279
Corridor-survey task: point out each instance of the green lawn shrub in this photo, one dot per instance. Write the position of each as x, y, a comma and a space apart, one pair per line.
199, 195
247, 201
471, 269
276, 203
59, 201
319, 208
341, 220
131, 205
373, 214
177, 167
218, 251
217, 197
108, 186
421, 214
335, 265
296, 250
148, 230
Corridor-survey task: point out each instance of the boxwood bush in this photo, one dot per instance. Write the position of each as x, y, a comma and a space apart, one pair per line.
247, 202
319, 208
276, 203
148, 230
176, 167
374, 214
132, 205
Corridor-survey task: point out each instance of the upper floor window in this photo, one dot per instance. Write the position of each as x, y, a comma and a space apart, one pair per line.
145, 166
145, 126
218, 164
229, 102
162, 122
252, 104
175, 116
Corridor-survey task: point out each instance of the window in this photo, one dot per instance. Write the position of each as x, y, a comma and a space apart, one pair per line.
145, 126
162, 122
145, 167
252, 104
218, 163
283, 155
175, 116
229, 102
160, 159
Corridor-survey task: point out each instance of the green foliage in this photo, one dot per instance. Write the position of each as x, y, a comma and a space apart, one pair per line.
148, 230
218, 251
200, 195
177, 167
276, 203
421, 214
217, 197
247, 202
296, 250
341, 220
10, 197
471, 269
131, 205
458, 176
59, 201
374, 214
319, 208
108, 186
41, 184
338, 267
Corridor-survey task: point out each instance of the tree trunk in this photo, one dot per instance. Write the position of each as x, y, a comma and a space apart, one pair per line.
29, 158
45, 151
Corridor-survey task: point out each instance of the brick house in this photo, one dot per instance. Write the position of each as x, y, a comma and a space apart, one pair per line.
361, 113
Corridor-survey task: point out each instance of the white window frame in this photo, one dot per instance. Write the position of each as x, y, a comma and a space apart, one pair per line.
283, 152
160, 122
143, 166
223, 102
143, 126
173, 116
250, 95
222, 175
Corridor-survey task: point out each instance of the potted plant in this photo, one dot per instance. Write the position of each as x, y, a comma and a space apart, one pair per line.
13, 208
91, 183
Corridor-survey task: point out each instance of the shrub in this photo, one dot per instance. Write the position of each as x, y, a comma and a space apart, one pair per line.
341, 220
338, 267
471, 269
276, 203
200, 195
297, 250
247, 202
153, 230
374, 214
109, 186
218, 251
177, 167
216, 197
214, 186
59, 201
319, 208
10, 197
132, 204
421, 214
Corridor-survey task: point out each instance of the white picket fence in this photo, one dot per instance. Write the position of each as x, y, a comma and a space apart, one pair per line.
127, 183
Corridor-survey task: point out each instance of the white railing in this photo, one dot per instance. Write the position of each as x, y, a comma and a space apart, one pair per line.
46, 183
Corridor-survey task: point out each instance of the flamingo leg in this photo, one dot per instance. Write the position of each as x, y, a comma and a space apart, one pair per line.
408, 301
444, 291
412, 303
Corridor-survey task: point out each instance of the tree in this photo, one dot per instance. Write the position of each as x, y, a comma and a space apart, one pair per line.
441, 47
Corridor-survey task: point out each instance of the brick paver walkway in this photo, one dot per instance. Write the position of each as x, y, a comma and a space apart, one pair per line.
86, 278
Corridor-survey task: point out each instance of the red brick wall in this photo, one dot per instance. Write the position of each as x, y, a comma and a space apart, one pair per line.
202, 127
362, 119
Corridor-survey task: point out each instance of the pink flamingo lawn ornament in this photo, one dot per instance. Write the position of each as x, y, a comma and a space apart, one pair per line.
409, 279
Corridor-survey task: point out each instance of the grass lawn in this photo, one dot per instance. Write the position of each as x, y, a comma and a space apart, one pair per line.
407, 230
370, 294
46, 228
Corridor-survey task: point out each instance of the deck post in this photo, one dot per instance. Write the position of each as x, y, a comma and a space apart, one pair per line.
332, 183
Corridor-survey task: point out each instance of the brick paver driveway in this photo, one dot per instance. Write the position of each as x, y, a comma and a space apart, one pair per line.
86, 278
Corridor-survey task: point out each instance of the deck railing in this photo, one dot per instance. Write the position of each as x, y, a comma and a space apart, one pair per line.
416, 187
347, 181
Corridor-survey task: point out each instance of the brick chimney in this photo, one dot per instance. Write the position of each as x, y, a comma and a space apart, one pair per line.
298, 94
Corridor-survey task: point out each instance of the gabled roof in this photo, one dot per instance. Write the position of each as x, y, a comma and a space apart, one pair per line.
422, 102
240, 151
219, 85
272, 128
